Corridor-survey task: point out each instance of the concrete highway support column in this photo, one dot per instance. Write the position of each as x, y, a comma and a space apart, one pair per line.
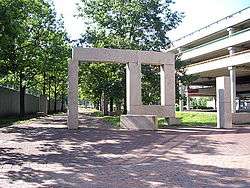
232, 72
231, 31
73, 95
231, 51
188, 98
181, 102
224, 114
133, 86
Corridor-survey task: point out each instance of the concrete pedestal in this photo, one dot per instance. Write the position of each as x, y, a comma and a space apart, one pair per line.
173, 121
139, 122
223, 95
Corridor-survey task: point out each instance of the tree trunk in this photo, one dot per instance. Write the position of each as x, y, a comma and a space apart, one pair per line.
96, 105
111, 104
44, 83
62, 103
118, 106
22, 96
105, 105
49, 97
125, 106
55, 97
22, 101
100, 104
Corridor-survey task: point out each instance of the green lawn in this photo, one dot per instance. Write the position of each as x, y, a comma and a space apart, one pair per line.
186, 118
197, 118
114, 120
12, 120
7, 121
192, 119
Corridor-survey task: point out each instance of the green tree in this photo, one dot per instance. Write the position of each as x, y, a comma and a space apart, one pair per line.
181, 77
30, 36
140, 25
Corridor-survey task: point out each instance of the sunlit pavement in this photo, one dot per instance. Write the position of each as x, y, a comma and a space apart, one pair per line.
47, 154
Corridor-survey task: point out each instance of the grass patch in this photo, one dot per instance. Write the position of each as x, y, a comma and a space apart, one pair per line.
192, 119
197, 118
13, 120
113, 120
97, 114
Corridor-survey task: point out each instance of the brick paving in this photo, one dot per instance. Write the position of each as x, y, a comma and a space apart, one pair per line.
46, 154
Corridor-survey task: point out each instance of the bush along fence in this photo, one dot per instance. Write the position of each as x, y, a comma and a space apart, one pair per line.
10, 103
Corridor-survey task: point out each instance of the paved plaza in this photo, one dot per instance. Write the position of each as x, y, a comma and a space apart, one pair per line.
46, 154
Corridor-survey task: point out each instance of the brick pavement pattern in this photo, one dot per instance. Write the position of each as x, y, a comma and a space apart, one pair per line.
46, 154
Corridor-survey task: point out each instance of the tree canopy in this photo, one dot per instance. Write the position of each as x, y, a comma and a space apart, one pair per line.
34, 49
133, 24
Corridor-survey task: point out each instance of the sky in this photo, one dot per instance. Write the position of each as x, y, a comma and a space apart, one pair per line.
198, 13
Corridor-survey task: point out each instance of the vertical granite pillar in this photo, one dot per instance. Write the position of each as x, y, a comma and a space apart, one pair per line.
224, 114
167, 74
73, 95
167, 85
133, 86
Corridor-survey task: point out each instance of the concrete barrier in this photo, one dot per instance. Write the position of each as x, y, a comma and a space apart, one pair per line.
10, 103
58, 105
43, 104
31, 104
241, 118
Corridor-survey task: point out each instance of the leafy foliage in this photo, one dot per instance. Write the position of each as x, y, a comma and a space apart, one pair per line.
33, 48
138, 25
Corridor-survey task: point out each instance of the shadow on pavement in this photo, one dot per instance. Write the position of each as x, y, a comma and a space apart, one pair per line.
54, 156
